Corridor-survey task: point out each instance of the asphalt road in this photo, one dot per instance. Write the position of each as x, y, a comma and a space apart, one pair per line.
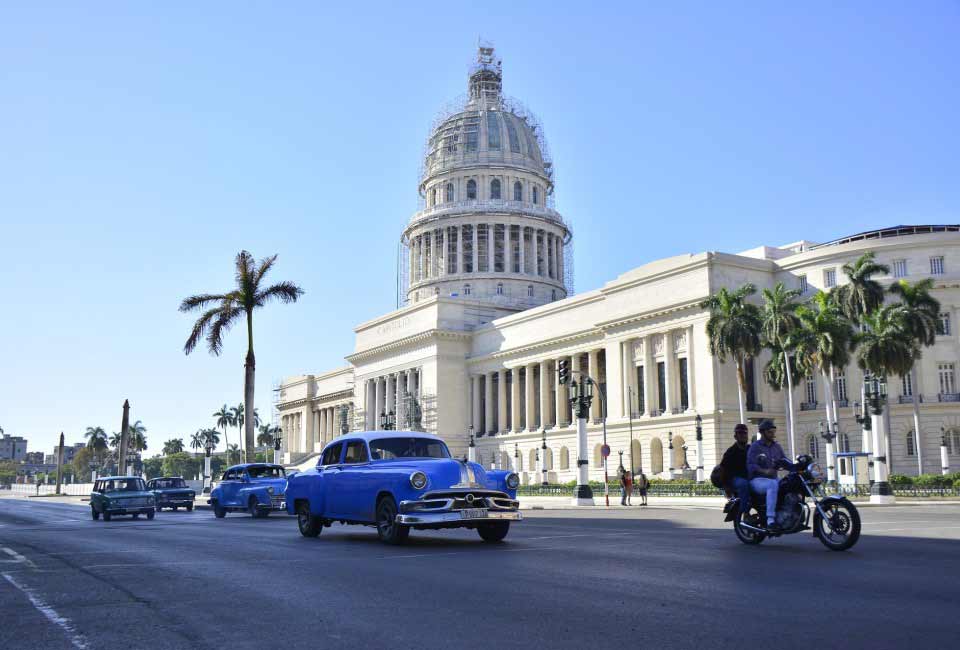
653, 578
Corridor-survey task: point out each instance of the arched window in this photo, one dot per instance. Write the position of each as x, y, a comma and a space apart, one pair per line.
637, 462
812, 447
471, 189
564, 458
517, 191
495, 188
466, 289
953, 442
500, 288
911, 447
656, 456
433, 197
547, 457
534, 466
530, 291
449, 192
680, 460
597, 456
536, 194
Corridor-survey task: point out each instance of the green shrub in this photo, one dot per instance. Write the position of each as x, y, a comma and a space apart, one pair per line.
901, 480
932, 481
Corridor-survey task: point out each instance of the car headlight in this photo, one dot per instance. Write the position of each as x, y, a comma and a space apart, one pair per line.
513, 481
816, 472
418, 480
269, 490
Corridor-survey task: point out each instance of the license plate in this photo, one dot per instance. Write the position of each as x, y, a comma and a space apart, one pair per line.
473, 513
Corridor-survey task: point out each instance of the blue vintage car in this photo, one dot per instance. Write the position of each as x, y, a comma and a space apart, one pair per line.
398, 480
256, 488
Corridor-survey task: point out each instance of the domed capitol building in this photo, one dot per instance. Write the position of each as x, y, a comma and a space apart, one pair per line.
489, 311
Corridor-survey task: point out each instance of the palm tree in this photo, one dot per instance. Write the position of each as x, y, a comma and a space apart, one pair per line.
238, 420
212, 435
921, 314
115, 440
97, 441
224, 419
138, 441
233, 454
862, 295
197, 441
172, 446
248, 295
825, 343
780, 320
267, 433
734, 331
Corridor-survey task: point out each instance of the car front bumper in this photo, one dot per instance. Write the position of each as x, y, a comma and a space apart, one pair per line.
178, 501
457, 518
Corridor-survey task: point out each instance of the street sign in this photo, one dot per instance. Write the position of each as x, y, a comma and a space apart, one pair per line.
605, 450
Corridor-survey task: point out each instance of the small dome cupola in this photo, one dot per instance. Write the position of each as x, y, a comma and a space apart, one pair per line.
486, 78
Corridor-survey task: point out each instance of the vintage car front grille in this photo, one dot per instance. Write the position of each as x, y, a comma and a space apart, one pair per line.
457, 493
277, 501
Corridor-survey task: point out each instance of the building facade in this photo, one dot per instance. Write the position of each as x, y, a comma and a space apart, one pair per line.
474, 352
13, 448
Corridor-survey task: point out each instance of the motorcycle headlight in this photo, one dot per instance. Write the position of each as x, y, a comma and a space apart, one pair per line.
269, 490
513, 481
816, 472
418, 480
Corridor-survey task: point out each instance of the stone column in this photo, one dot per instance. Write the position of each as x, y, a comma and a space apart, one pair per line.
488, 405
593, 366
523, 252
459, 267
490, 247
380, 403
400, 400
371, 405
502, 401
475, 390
649, 377
531, 408
475, 256
691, 385
322, 419
668, 380
561, 398
626, 369
616, 388
391, 396
420, 260
545, 419
515, 398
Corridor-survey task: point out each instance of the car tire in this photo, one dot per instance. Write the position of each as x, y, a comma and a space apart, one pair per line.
388, 529
309, 525
494, 532
189, 507
174, 508
136, 515
106, 516
150, 514
159, 508
94, 513
252, 508
218, 511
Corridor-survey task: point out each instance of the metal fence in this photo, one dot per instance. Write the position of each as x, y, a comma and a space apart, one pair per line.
678, 489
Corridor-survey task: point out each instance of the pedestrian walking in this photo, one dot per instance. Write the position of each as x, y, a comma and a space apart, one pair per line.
642, 485
629, 481
622, 479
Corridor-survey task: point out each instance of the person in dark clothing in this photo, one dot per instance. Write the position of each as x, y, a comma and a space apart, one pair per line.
734, 464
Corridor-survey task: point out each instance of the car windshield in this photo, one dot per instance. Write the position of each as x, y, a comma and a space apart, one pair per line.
266, 471
392, 448
161, 483
125, 485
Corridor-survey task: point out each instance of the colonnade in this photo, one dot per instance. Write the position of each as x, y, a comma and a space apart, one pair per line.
396, 392
322, 424
485, 248
658, 377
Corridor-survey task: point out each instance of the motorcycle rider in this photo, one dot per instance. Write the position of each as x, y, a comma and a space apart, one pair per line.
764, 457
734, 464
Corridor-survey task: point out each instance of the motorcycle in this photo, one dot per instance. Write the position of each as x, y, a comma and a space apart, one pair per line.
836, 521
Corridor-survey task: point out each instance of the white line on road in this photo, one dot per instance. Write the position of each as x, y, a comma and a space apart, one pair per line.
50, 613
18, 558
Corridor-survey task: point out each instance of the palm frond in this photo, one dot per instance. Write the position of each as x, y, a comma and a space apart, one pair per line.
285, 292
201, 300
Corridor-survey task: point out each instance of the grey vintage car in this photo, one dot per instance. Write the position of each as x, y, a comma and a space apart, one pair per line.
121, 495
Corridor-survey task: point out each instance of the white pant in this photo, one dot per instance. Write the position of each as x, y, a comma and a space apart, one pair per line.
770, 487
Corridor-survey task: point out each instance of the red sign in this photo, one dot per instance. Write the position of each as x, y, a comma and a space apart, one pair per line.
605, 450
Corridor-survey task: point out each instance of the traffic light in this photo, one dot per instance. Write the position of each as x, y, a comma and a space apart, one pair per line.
563, 370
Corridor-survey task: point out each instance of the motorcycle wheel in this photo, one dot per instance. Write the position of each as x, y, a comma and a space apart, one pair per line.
744, 535
842, 528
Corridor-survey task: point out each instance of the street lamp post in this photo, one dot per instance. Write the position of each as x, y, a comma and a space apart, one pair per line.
863, 419
944, 457
670, 452
277, 442
876, 393
388, 421
516, 458
829, 436
630, 417
543, 460
580, 401
207, 450
472, 449
93, 472
699, 421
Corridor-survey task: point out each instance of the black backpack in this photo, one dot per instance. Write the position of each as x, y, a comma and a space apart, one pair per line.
717, 476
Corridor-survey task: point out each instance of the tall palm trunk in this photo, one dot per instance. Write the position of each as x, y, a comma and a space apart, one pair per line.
248, 386
741, 389
791, 422
916, 416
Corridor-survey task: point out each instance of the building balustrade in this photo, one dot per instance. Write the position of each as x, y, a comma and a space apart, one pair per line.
948, 397
843, 403
490, 205
908, 399
808, 406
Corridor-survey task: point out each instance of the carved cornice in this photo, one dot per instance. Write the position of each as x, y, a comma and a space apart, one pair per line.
392, 346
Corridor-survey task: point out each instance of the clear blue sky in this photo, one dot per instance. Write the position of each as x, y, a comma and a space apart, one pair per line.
144, 144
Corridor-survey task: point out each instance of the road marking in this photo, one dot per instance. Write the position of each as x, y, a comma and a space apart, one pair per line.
923, 530
17, 558
50, 613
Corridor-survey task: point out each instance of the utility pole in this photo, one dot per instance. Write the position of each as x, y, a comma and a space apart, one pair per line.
124, 439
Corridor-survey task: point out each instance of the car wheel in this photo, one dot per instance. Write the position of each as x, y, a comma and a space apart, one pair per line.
106, 516
218, 511
494, 532
252, 508
387, 527
309, 525
136, 515
189, 507
150, 514
94, 513
159, 508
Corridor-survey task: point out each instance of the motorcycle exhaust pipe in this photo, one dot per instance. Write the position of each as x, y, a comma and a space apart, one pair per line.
752, 528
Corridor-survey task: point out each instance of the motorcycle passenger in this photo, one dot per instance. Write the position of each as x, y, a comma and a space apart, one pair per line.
734, 464
764, 457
